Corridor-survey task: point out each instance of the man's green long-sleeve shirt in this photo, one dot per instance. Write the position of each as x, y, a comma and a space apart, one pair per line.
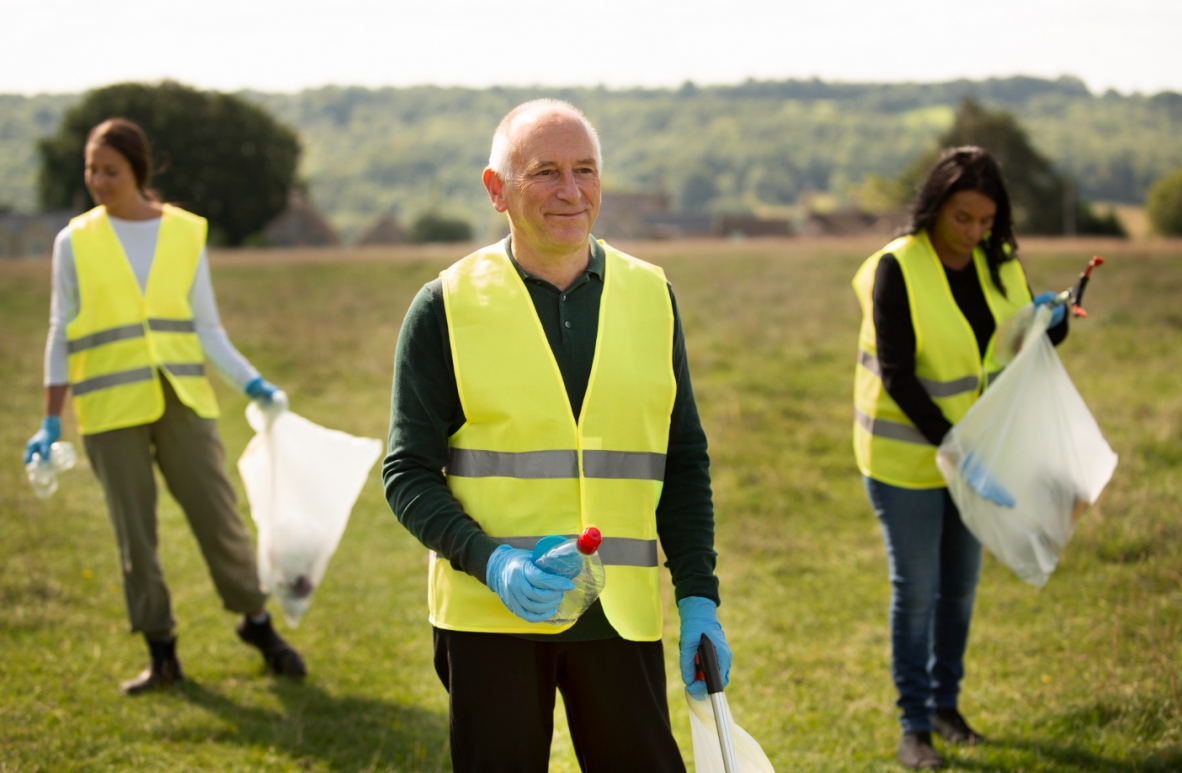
426, 411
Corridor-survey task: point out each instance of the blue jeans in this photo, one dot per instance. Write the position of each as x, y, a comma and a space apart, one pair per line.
934, 563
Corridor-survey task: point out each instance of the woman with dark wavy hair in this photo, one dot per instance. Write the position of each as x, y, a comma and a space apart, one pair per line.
932, 301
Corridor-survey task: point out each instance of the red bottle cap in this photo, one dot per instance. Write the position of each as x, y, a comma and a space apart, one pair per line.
589, 541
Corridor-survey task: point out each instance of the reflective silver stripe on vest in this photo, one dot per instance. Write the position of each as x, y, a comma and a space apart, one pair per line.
627, 465
172, 325
619, 465
184, 368
125, 332
991, 377
112, 380
614, 551
869, 362
950, 388
933, 388
110, 335
470, 463
892, 430
626, 551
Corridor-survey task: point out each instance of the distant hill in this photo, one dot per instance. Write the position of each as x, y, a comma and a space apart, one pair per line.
23, 120
747, 147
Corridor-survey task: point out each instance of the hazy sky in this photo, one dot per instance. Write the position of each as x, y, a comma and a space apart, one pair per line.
71, 45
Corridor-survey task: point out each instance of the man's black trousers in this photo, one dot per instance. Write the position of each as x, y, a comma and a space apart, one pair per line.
501, 692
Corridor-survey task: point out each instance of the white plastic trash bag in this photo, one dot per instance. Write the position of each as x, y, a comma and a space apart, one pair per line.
302, 481
1033, 434
707, 751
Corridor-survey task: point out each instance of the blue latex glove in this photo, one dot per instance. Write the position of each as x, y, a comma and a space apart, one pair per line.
1057, 313
700, 616
528, 591
983, 483
262, 390
50, 432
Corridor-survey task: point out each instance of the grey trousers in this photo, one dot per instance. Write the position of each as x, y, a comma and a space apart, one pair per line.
191, 458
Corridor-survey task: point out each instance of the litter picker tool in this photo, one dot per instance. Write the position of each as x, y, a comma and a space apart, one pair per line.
1074, 295
720, 745
1077, 294
1012, 332
708, 671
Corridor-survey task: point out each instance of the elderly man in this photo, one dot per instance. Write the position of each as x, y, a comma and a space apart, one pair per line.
540, 387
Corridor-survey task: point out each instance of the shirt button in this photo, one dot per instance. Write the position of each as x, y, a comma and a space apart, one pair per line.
568, 323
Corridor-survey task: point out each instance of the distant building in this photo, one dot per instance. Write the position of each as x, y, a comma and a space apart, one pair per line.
31, 235
626, 215
749, 225
300, 225
383, 230
680, 225
647, 216
853, 222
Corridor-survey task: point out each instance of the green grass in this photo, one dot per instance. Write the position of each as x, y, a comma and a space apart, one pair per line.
1085, 675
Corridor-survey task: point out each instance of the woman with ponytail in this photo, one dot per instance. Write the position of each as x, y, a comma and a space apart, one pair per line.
133, 320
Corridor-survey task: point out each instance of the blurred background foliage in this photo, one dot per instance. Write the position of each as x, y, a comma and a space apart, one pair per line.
756, 147
1164, 204
433, 228
1040, 195
217, 155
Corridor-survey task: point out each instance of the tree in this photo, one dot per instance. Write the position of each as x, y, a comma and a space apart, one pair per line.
1088, 222
1164, 204
697, 191
213, 154
1036, 191
431, 227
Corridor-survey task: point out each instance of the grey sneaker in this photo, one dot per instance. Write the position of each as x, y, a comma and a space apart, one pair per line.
916, 752
953, 729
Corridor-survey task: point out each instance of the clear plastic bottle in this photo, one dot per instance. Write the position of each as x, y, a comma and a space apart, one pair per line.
577, 559
43, 472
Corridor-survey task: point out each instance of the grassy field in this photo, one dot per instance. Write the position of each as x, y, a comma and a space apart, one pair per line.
1085, 675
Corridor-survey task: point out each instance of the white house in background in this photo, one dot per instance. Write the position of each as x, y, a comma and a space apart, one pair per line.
31, 235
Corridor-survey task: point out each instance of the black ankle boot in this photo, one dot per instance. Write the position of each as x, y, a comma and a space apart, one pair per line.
949, 723
916, 752
281, 658
164, 670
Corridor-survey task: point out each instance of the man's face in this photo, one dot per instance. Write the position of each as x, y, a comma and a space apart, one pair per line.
553, 197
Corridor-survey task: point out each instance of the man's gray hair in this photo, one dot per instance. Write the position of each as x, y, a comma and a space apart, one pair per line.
500, 159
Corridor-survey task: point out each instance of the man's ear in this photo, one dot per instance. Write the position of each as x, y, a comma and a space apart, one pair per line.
496, 190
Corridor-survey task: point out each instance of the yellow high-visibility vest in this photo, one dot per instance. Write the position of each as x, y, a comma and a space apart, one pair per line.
122, 338
524, 467
887, 444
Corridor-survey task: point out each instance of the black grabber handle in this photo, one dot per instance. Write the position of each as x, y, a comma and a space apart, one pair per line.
707, 662
1077, 309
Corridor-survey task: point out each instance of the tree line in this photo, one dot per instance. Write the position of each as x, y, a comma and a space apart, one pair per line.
747, 148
